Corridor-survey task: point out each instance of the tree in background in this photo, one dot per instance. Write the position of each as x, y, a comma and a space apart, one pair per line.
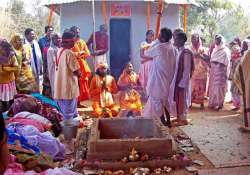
7, 24
218, 16
42, 13
14, 19
237, 24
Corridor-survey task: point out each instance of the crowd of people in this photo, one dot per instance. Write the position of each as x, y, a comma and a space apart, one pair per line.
175, 75
172, 75
31, 75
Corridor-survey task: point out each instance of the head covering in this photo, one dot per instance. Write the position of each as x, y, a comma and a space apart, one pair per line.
235, 52
238, 41
220, 54
14, 41
6, 51
199, 44
3, 59
102, 65
219, 36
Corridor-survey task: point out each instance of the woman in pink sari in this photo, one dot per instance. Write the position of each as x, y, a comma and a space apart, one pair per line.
145, 60
220, 60
199, 78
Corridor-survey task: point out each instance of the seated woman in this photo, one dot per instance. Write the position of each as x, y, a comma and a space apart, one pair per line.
102, 88
128, 84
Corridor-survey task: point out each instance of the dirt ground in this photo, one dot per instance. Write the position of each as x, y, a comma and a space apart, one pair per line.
194, 155
194, 114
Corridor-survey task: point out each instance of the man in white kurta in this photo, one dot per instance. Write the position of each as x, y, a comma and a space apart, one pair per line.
51, 58
161, 75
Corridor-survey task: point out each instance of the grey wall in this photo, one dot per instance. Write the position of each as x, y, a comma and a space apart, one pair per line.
80, 14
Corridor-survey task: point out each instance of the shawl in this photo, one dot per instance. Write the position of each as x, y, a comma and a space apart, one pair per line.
221, 54
14, 41
36, 70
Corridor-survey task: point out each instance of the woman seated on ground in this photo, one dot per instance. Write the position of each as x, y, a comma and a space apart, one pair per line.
4, 151
129, 98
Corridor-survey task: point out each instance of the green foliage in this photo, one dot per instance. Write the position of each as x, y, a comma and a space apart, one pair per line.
19, 19
218, 16
17, 7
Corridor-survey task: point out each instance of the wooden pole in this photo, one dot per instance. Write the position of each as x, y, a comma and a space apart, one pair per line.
52, 8
148, 14
185, 9
104, 12
158, 18
94, 23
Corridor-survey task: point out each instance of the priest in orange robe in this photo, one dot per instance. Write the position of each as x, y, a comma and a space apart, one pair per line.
102, 89
82, 53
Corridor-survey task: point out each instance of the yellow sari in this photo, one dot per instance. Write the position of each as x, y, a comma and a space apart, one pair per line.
130, 99
25, 80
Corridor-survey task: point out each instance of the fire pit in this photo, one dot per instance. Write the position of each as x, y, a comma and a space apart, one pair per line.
112, 139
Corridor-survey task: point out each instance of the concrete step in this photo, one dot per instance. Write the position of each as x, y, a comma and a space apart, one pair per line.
226, 171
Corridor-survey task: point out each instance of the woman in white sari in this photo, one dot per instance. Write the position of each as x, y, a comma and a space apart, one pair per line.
219, 72
146, 62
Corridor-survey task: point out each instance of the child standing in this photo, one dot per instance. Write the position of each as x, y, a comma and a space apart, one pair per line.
8, 67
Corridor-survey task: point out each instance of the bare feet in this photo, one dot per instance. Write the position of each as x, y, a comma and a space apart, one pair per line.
165, 122
79, 105
235, 109
244, 129
179, 122
217, 108
191, 106
202, 106
175, 120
